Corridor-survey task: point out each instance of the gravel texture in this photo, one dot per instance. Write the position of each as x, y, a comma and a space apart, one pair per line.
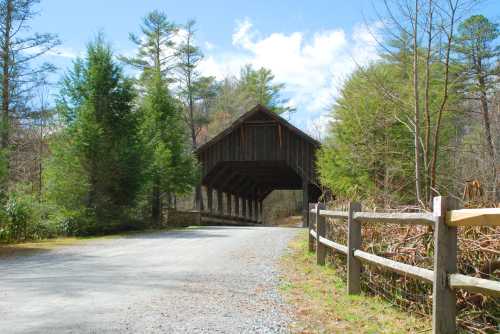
202, 280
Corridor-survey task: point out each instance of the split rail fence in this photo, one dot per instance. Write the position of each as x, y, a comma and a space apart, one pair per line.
444, 277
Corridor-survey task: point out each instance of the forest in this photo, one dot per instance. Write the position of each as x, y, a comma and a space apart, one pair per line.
423, 121
114, 145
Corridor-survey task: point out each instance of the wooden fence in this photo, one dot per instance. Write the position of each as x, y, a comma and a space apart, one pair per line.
444, 278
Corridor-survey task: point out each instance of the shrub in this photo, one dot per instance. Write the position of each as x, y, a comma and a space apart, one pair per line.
19, 213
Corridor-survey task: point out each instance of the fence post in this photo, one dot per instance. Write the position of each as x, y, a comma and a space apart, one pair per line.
444, 300
320, 232
310, 228
353, 243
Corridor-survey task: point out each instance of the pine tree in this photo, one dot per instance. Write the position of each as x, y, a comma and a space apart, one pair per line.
476, 44
259, 87
195, 91
170, 167
155, 46
100, 138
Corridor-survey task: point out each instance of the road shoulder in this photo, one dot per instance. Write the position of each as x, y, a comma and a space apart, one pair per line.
317, 296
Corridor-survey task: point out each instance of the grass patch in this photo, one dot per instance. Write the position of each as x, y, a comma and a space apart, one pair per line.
29, 248
321, 305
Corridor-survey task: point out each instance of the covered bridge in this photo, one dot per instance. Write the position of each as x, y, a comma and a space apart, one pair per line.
258, 153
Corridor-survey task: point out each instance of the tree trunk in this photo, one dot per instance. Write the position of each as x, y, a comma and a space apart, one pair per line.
6, 64
427, 113
156, 204
489, 139
417, 107
444, 102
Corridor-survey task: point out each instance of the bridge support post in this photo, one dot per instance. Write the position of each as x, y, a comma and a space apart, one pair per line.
229, 200
244, 208
220, 208
210, 202
256, 210
261, 212
250, 209
236, 205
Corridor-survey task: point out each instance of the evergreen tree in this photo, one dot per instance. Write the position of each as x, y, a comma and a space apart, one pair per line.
365, 153
194, 91
155, 45
259, 87
475, 43
170, 165
100, 143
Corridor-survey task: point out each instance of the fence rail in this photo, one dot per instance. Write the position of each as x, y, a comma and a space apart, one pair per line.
444, 277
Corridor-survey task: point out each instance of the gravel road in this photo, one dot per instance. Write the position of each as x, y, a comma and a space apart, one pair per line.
202, 280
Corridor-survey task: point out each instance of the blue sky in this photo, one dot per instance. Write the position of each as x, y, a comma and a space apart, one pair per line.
311, 46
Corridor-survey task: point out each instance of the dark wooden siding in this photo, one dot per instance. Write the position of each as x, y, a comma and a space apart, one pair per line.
261, 152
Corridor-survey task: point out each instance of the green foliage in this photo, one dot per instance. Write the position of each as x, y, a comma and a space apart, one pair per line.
259, 87
476, 42
237, 95
98, 150
170, 166
157, 34
365, 153
24, 217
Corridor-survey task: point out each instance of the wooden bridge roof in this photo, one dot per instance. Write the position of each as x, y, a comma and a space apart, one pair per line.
258, 153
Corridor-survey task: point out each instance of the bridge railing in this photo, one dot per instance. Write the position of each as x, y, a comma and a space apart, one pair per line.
444, 277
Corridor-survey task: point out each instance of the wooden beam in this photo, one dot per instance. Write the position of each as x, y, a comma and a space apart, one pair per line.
395, 218
335, 246
210, 202
261, 211
220, 208
217, 174
256, 210
305, 203
235, 186
353, 244
444, 300
250, 209
394, 266
237, 212
242, 187
474, 284
231, 177
229, 204
320, 232
243, 207
474, 217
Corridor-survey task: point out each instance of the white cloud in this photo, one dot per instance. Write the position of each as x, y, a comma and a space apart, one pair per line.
209, 46
243, 33
313, 67
318, 127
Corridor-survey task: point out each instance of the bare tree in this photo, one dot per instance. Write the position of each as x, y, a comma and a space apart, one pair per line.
194, 90
18, 51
